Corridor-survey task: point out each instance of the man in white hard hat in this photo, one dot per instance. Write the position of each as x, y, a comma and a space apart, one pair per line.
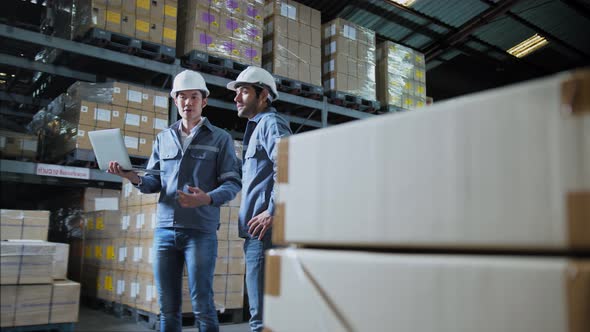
199, 173
255, 91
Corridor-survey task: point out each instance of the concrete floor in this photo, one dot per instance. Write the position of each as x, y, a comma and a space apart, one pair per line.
91, 320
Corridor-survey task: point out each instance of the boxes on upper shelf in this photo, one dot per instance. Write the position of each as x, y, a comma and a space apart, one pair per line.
401, 76
292, 46
229, 29
348, 59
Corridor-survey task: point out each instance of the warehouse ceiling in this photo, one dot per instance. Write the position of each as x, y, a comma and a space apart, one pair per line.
465, 42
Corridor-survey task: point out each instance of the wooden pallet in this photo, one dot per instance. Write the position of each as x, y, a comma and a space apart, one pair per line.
299, 88
59, 327
352, 101
212, 64
126, 44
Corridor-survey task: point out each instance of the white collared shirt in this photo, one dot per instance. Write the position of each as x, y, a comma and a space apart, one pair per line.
186, 139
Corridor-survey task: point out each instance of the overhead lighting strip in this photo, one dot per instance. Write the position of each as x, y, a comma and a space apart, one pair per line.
528, 46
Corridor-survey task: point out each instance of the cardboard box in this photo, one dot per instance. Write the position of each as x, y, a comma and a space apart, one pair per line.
96, 199
65, 302
23, 224
113, 20
471, 187
133, 120
142, 27
26, 262
145, 144
103, 224
170, 13
60, 261
15, 144
156, 32
120, 93
118, 116
142, 8
39, 304
157, 10
146, 123
424, 292
24, 305
128, 24
161, 105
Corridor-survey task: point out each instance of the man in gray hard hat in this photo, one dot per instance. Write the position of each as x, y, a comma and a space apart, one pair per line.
255, 91
199, 173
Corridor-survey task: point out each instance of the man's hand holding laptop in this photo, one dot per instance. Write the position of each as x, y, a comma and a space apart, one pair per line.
115, 168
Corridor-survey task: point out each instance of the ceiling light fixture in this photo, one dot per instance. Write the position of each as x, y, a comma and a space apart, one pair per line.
405, 3
528, 46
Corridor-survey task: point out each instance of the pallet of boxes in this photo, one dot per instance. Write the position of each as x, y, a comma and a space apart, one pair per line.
146, 28
117, 259
220, 36
348, 65
35, 291
470, 217
140, 112
401, 77
292, 47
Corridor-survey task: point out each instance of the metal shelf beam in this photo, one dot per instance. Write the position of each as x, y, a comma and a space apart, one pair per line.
29, 168
19, 62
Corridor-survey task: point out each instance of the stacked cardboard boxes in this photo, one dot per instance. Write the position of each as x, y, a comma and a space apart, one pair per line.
17, 145
33, 273
292, 41
401, 76
229, 29
510, 179
140, 112
146, 20
348, 59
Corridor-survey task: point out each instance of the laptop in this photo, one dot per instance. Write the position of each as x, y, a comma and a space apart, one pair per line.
108, 145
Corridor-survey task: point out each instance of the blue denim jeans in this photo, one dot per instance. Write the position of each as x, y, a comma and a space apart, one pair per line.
254, 255
172, 248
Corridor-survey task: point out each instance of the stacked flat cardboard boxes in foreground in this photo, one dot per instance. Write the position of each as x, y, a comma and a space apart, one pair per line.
140, 112
115, 258
33, 281
481, 223
292, 41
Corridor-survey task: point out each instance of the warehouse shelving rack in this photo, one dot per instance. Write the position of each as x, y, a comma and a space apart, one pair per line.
303, 112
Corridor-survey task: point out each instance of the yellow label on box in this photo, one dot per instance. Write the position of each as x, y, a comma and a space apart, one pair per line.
145, 4
89, 224
419, 74
258, 17
97, 284
110, 253
215, 24
235, 52
170, 11
142, 26
420, 104
99, 223
98, 251
113, 17
237, 31
420, 89
169, 34
108, 283
87, 252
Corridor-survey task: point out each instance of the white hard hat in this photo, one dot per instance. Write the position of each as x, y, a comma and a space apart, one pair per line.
188, 80
258, 76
